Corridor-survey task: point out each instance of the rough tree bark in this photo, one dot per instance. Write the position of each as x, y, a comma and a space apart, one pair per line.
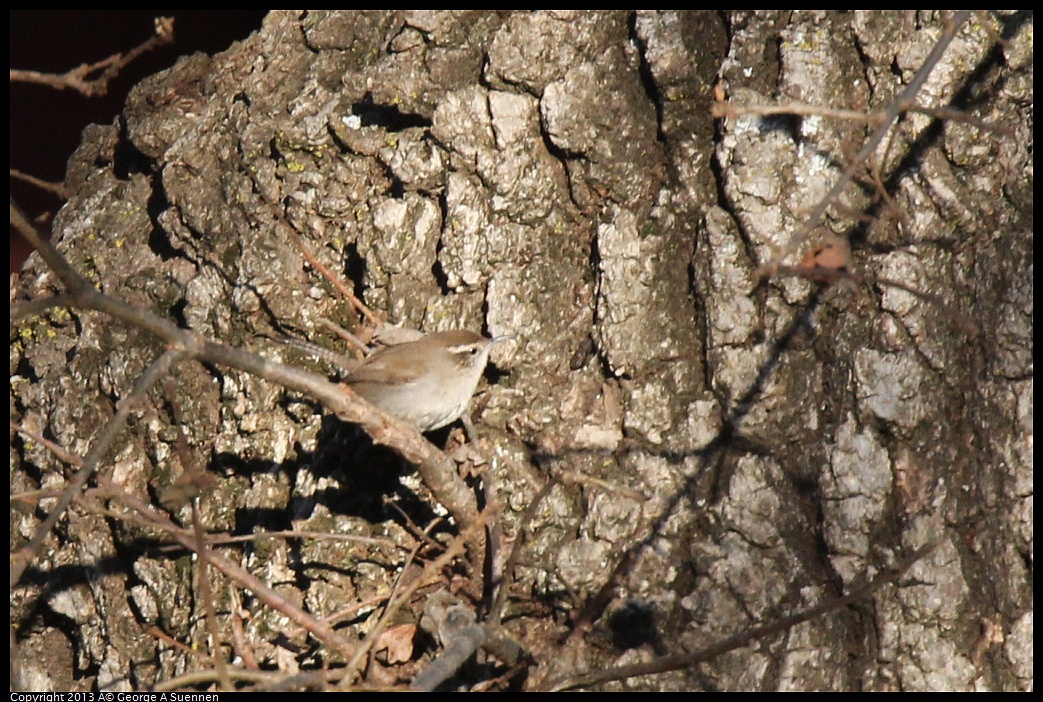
755, 447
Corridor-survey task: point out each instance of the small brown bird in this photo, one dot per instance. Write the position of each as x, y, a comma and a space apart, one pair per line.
429, 382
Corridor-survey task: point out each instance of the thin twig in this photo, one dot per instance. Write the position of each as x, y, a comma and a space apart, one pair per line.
147, 516
344, 290
342, 614
687, 660
191, 467
429, 574
79, 78
32, 308
202, 677
964, 323
435, 468
354, 665
730, 110
496, 611
905, 101
55, 188
100, 447
219, 539
65, 456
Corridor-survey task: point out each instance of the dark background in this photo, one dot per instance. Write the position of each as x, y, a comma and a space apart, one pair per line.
46, 123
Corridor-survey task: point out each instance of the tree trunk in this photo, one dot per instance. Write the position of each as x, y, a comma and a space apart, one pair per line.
747, 445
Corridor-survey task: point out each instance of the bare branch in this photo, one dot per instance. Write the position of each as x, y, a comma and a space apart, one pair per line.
152, 518
80, 78
58, 188
436, 469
